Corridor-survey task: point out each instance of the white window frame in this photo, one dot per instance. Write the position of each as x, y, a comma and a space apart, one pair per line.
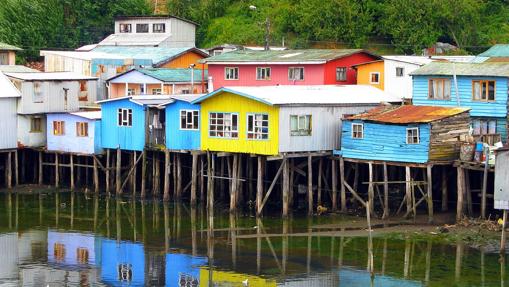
163, 25
125, 117
131, 92
339, 79
184, 113
224, 130
157, 91
291, 74
402, 72
354, 132
431, 87
120, 30
302, 131
264, 72
371, 78
142, 24
418, 135
231, 77
257, 134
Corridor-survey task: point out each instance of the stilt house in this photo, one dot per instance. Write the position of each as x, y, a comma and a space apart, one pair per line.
9, 96
122, 263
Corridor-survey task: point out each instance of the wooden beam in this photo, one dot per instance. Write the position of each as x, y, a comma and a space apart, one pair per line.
143, 174
259, 186
445, 195
386, 193
233, 184
179, 177
57, 173
286, 187
71, 165
40, 168
408, 188
319, 184
342, 183
310, 184
108, 188
271, 187
461, 191
8, 170
166, 191
355, 194
118, 175
484, 185
194, 178
96, 176
16, 168
130, 172
371, 190
334, 186
429, 176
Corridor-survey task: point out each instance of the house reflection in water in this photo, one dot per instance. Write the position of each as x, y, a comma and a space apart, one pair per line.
361, 278
224, 278
183, 270
71, 248
122, 263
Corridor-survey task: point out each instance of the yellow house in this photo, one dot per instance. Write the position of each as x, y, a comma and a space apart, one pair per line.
371, 73
223, 278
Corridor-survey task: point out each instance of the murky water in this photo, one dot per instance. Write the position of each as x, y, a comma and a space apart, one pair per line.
76, 240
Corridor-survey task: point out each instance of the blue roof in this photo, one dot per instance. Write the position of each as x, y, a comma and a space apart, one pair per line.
157, 55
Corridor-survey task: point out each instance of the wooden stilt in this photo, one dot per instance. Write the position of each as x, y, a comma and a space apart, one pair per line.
319, 184
310, 185
386, 193
202, 180
210, 183
174, 169
166, 191
40, 168
286, 185
429, 173
461, 193
445, 196
8, 170
408, 189
342, 183
132, 159
16, 168
108, 188
371, 189
259, 185
57, 171
143, 174
356, 177
157, 174
484, 186
194, 183
118, 174
71, 162
179, 177
292, 180
334, 185
96, 176
234, 185
468, 192
503, 238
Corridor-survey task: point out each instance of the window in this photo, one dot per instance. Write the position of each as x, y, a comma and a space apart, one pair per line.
357, 131
36, 125
258, 126
82, 255
59, 252
125, 28
189, 120
216, 52
159, 28
400, 72
131, 92
439, 89
185, 92
483, 91
231, 73
374, 78
412, 136
58, 128
125, 117
125, 272
38, 96
296, 74
484, 127
81, 129
341, 74
157, 91
263, 73
223, 125
300, 125
141, 28
83, 96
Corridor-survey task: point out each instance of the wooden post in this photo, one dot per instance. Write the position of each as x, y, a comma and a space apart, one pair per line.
40, 168
234, 185
210, 183
310, 185
468, 192
503, 239
286, 183
445, 196
16, 168
71, 163
342, 183
259, 185
334, 185
461, 192
108, 189
143, 174
166, 196
96, 176
408, 189
484, 185
179, 177
132, 159
386, 193
202, 180
118, 179
319, 185
430, 192
157, 174
194, 183
57, 174
8, 170
292, 177
371, 189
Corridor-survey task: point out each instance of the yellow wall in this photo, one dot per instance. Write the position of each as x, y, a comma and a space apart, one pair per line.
363, 74
222, 278
184, 61
227, 102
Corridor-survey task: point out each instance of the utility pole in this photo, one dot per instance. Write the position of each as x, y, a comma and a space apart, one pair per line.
267, 31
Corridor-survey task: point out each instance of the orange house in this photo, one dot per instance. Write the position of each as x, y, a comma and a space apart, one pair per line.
371, 73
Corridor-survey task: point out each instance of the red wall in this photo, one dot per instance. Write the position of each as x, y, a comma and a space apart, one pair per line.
348, 62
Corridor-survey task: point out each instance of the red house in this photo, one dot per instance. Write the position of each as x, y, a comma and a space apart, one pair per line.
288, 67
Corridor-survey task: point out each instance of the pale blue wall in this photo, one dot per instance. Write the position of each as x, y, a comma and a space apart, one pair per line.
175, 137
70, 142
127, 138
385, 142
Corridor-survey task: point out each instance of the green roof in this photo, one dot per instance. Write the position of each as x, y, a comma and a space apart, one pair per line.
464, 69
16, 69
307, 55
7, 47
174, 75
158, 55
498, 50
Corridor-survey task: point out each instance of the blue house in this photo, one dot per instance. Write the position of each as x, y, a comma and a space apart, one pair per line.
133, 123
410, 134
72, 249
482, 87
183, 270
78, 132
182, 123
122, 264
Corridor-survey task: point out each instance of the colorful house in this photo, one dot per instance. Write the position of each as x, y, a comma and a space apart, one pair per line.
122, 263
182, 122
78, 132
286, 67
133, 123
482, 87
281, 119
71, 249
225, 278
183, 270
157, 81
411, 134
8, 117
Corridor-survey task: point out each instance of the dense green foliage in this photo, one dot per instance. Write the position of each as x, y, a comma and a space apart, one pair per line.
400, 25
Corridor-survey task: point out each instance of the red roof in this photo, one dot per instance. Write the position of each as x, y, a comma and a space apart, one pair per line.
408, 114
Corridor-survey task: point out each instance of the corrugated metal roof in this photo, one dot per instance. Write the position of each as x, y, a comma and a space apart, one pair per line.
310, 95
7, 47
92, 115
408, 114
17, 69
189, 98
135, 39
86, 56
7, 87
155, 100
49, 76
464, 69
156, 54
498, 50
285, 56
169, 75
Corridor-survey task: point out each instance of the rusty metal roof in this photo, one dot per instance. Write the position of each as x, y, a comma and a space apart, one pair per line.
408, 114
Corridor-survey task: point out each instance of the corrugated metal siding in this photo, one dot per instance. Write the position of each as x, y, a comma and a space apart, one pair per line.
26, 137
127, 138
8, 123
57, 63
183, 34
227, 102
326, 127
479, 109
175, 137
53, 97
70, 142
385, 142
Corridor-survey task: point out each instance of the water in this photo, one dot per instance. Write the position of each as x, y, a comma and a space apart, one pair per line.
76, 240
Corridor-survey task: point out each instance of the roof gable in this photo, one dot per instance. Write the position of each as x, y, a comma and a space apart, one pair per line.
7, 87
464, 69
